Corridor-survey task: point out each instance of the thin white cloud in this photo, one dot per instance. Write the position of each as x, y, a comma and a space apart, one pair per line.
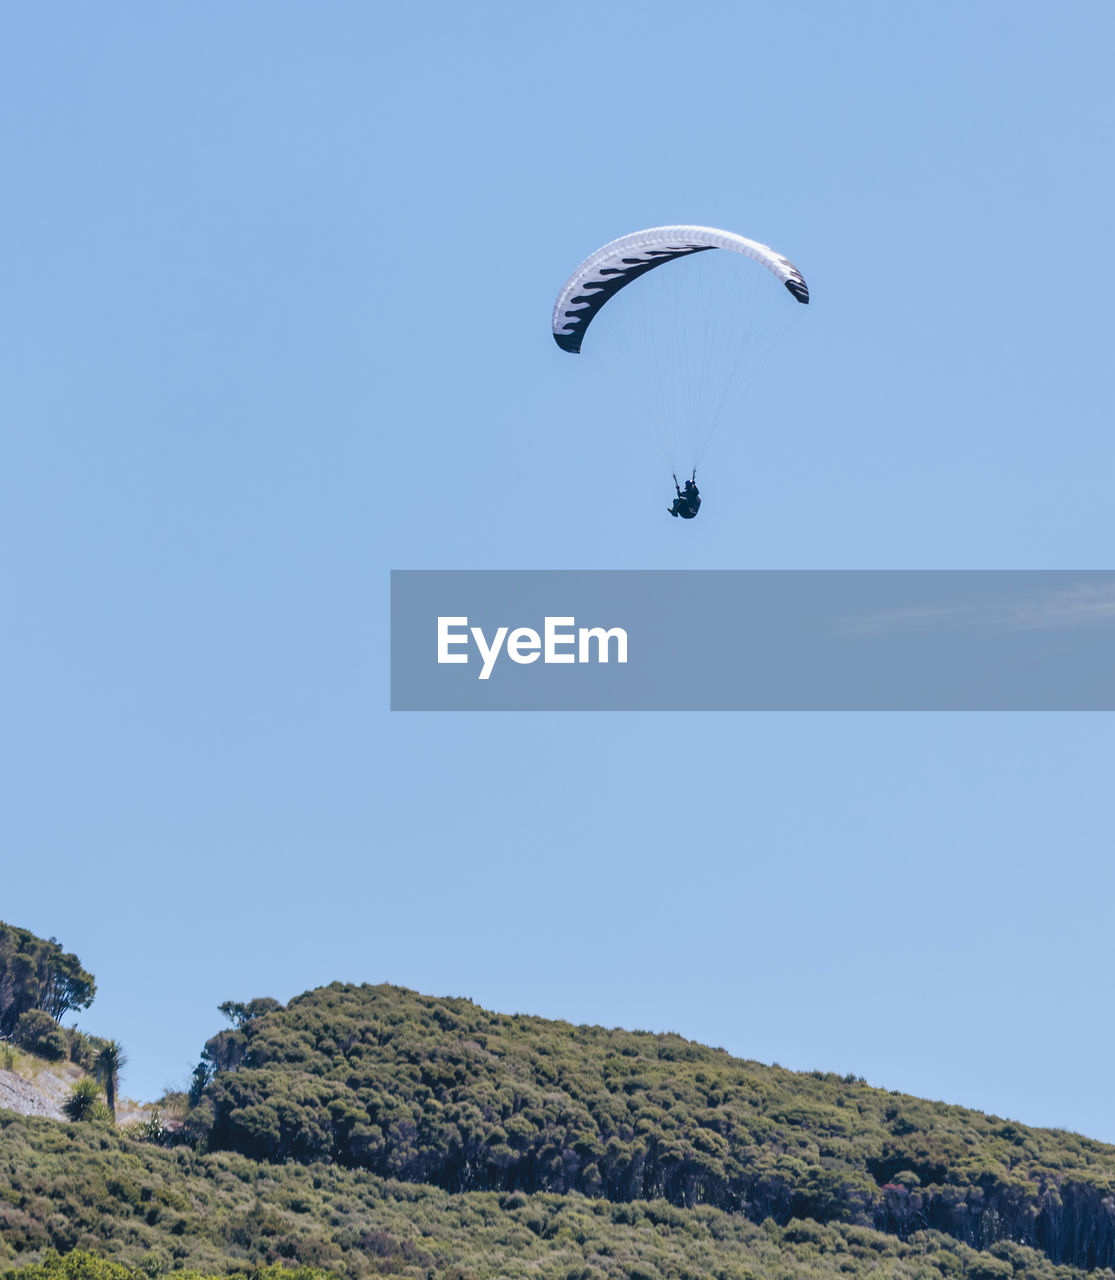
1079, 604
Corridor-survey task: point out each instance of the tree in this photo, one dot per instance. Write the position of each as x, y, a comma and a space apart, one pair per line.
203, 1073
107, 1066
35, 973
240, 1014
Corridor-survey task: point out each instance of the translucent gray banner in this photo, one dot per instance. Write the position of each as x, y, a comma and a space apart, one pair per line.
851, 640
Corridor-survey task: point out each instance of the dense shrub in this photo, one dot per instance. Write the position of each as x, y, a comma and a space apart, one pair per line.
38, 1033
442, 1092
113, 1209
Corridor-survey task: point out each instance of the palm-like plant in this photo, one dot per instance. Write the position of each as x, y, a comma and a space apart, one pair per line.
84, 1102
107, 1066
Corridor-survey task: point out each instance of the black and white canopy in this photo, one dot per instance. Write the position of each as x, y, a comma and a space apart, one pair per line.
604, 273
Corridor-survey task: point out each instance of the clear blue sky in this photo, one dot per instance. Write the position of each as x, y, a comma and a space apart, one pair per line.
263, 257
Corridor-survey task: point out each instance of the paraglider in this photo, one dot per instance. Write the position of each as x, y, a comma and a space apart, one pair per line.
697, 361
688, 501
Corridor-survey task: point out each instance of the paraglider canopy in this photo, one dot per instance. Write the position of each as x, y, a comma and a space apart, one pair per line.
604, 273
681, 346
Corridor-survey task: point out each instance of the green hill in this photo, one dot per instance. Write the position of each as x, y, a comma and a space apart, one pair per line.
444, 1093
374, 1131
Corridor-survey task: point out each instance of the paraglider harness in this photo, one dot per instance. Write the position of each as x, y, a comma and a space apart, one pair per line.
688, 501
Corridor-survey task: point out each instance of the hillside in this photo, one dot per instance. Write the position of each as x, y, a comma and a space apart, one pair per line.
444, 1093
83, 1187
41, 1061
375, 1131
34, 1086
31, 1086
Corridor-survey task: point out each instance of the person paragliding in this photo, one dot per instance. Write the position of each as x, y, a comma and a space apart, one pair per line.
695, 345
688, 501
